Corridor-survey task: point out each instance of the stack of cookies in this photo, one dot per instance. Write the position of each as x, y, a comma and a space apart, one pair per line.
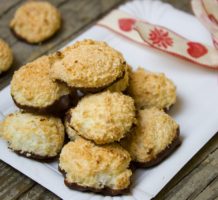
86, 106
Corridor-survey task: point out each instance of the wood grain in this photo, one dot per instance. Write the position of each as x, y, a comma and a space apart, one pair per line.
198, 180
38, 192
7, 5
13, 183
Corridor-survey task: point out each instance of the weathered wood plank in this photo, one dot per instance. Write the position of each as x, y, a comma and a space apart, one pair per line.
13, 183
198, 179
7, 5
38, 193
210, 192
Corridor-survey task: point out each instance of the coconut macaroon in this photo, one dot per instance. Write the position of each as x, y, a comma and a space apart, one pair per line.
151, 89
88, 65
88, 167
122, 84
104, 117
154, 138
33, 136
6, 56
33, 90
71, 133
35, 21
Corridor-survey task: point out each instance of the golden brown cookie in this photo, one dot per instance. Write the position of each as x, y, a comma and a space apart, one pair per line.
34, 136
88, 65
89, 167
71, 133
104, 117
36, 21
122, 84
33, 90
154, 138
151, 89
6, 56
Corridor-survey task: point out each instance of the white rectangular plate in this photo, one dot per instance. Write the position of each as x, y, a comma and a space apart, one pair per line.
196, 109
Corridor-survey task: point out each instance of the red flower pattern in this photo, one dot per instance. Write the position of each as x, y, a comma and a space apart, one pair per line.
160, 38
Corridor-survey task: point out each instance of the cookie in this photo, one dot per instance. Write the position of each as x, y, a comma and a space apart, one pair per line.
6, 56
33, 136
35, 21
151, 90
33, 90
88, 65
89, 167
71, 133
104, 117
122, 84
153, 139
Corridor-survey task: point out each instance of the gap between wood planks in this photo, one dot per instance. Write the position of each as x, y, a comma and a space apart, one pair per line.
7, 5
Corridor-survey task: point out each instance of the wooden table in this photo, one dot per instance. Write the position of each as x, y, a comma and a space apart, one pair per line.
197, 180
